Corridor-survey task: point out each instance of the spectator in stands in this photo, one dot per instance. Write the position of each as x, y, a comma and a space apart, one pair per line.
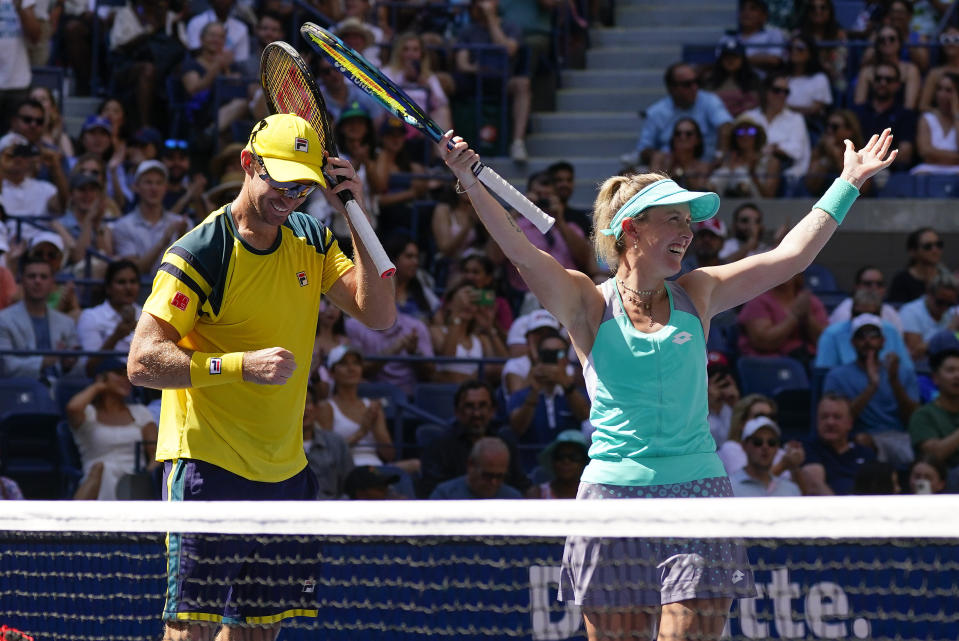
732, 78
51, 247
456, 231
330, 333
876, 478
765, 44
832, 458
212, 60
749, 169
810, 93
93, 164
684, 99
9, 490
107, 428
563, 462
835, 343
785, 321
786, 135
868, 278
410, 68
884, 109
360, 421
534, 327
899, 16
927, 475
486, 28
929, 313
553, 400
707, 242
184, 188
480, 271
76, 32
936, 140
357, 31
96, 138
143, 51
445, 456
32, 324
883, 392
269, 27
408, 336
54, 134
924, 246
817, 20
760, 440
563, 176
326, 451
949, 66
28, 121
341, 95
9, 292
887, 50
120, 128
722, 394
370, 483
933, 427
747, 408
747, 234
236, 34
826, 162
466, 328
17, 31
486, 470
23, 195
390, 178
109, 326
536, 21
145, 233
414, 295
684, 160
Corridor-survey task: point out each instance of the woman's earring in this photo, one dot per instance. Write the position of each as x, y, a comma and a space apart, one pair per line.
635, 244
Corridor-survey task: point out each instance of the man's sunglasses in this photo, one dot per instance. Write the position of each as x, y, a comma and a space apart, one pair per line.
30, 120
759, 442
936, 244
287, 190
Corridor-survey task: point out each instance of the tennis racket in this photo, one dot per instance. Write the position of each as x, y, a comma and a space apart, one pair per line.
289, 88
375, 83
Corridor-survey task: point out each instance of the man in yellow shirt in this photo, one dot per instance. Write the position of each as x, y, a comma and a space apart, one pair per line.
227, 334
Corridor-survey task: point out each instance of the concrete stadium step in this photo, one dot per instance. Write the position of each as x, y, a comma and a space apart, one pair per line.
582, 144
655, 36
630, 98
588, 168
665, 15
632, 57
611, 79
584, 121
75, 110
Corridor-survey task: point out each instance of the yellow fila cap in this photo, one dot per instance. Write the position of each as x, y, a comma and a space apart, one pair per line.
290, 148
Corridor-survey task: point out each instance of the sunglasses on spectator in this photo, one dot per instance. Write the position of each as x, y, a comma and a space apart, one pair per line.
174, 143
685, 133
887, 79
936, 244
287, 190
30, 120
686, 84
746, 131
759, 442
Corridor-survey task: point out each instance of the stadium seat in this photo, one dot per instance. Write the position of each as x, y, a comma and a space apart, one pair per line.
24, 395
65, 389
847, 11
937, 186
770, 375
30, 452
436, 398
71, 467
899, 185
820, 279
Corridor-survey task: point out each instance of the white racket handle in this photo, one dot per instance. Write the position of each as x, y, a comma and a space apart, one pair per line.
361, 226
516, 200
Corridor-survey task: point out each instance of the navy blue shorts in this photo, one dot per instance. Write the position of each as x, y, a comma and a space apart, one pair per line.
237, 579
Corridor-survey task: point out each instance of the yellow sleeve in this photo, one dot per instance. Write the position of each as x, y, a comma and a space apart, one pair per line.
335, 263
173, 301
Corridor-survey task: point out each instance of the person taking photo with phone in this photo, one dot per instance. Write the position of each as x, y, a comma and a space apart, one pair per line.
467, 330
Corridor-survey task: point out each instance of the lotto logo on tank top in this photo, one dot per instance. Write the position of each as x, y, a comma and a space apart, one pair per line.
301, 276
682, 337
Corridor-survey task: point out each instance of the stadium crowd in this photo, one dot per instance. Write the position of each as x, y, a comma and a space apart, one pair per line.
86, 221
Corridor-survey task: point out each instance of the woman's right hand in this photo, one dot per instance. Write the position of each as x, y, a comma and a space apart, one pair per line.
459, 159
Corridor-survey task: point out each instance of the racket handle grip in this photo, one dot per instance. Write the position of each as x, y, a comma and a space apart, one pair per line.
364, 231
516, 200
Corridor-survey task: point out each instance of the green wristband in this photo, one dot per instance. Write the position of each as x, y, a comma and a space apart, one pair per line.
838, 199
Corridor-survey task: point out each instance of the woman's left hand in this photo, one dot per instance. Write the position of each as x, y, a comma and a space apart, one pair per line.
859, 166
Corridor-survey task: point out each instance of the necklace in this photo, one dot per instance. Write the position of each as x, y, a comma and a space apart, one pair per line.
637, 296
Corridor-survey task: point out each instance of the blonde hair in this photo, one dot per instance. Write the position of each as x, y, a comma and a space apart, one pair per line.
613, 194
399, 42
741, 410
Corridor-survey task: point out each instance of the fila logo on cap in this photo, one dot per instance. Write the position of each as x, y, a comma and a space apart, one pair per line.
216, 365
301, 276
301, 144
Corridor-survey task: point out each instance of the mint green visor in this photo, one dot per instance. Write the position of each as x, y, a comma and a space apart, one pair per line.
702, 204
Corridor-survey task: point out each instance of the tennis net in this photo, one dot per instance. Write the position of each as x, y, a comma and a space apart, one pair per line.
825, 568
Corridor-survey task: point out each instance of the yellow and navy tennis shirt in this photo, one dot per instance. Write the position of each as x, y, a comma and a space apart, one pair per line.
222, 295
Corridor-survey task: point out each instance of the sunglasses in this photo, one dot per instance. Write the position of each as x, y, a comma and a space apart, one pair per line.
937, 244
30, 120
686, 84
173, 143
782, 91
759, 442
746, 131
885, 79
287, 190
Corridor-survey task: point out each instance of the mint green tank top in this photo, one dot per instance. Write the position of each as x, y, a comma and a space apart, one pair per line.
648, 394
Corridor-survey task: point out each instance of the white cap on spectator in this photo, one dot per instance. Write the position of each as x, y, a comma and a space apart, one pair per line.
12, 139
337, 353
754, 425
862, 320
47, 237
540, 319
150, 165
